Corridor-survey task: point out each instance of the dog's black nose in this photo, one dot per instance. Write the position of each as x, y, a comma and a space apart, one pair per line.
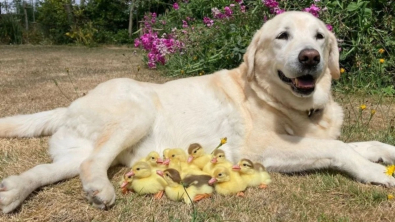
309, 57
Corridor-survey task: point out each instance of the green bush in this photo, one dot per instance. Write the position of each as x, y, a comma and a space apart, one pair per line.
10, 29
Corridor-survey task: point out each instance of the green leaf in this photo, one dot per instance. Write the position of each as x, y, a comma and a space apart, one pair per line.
352, 7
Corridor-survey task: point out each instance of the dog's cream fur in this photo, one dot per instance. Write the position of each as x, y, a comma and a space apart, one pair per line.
122, 120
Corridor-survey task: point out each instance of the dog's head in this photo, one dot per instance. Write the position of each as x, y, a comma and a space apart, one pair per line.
294, 51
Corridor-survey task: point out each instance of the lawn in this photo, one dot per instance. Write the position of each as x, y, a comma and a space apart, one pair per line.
37, 78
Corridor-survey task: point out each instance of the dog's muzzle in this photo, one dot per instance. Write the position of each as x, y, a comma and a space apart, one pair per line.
303, 85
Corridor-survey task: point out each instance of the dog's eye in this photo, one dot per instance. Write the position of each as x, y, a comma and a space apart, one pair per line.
319, 36
283, 36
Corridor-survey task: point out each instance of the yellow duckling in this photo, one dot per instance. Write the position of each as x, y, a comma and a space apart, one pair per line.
126, 182
253, 174
198, 156
227, 182
264, 174
146, 181
192, 188
176, 158
219, 159
154, 160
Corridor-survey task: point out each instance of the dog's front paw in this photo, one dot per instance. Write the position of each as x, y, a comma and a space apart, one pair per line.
100, 193
376, 174
13, 190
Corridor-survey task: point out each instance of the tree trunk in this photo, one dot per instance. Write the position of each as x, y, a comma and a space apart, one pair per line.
67, 7
26, 18
130, 29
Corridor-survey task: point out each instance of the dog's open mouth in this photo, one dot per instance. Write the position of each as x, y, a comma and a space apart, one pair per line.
304, 85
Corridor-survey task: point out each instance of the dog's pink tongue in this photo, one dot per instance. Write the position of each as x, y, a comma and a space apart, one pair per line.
303, 83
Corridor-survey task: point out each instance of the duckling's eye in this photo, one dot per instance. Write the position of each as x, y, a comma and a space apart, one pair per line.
152, 158
244, 164
220, 174
138, 169
129, 177
220, 156
195, 151
173, 155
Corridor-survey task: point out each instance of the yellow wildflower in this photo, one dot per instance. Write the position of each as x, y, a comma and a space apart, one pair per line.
68, 33
342, 70
363, 107
182, 72
194, 58
390, 170
381, 51
390, 196
382, 60
224, 140
372, 112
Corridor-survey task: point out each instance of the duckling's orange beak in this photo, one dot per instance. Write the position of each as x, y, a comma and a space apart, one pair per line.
212, 181
159, 160
159, 172
129, 174
214, 160
190, 158
236, 167
124, 184
166, 162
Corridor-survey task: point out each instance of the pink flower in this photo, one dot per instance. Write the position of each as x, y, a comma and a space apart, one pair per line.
278, 11
184, 24
329, 27
175, 6
228, 11
209, 22
137, 42
270, 3
239, 1
217, 13
243, 8
313, 10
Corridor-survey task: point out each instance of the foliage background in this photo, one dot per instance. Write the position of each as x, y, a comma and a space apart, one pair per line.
364, 28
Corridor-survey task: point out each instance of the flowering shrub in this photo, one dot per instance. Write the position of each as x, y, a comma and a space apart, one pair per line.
200, 36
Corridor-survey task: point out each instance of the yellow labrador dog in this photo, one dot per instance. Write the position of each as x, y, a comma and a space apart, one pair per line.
275, 108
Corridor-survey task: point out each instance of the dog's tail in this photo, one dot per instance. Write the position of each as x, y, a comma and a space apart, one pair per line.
31, 125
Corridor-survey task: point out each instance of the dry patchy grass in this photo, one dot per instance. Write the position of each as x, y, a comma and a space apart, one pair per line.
27, 85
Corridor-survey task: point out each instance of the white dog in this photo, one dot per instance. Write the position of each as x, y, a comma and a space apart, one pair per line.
275, 108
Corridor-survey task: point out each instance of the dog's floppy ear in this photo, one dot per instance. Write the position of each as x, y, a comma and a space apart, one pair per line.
249, 56
333, 61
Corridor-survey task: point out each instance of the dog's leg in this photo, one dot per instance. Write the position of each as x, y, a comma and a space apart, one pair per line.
93, 170
285, 153
67, 149
375, 151
15, 189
